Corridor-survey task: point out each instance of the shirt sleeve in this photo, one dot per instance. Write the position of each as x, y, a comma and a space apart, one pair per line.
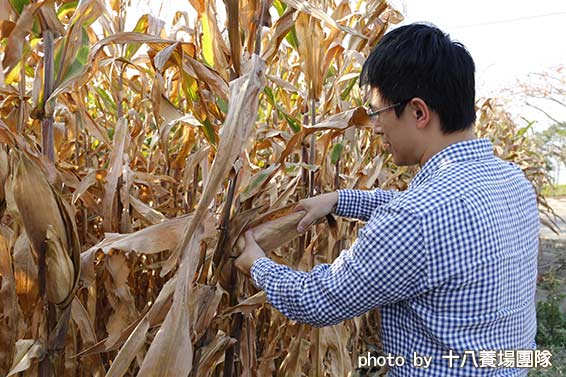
359, 204
387, 263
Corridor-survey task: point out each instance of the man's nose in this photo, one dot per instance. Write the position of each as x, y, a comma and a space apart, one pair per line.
377, 129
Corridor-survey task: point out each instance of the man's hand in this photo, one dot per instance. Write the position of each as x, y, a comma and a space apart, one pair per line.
316, 207
251, 253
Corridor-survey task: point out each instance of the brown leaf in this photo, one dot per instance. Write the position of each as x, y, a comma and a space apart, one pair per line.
312, 10
119, 149
133, 338
8, 304
310, 34
80, 317
87, 181
119, 296
203, 304
150, 240
25, 273
297, 351
17, 38
28, 352
151, 215
4, 170
171, 352
212, 353
280, 29
248, 305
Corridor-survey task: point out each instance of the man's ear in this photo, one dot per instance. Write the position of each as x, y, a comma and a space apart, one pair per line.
420, 111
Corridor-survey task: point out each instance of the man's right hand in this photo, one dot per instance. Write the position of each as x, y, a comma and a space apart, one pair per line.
316, 207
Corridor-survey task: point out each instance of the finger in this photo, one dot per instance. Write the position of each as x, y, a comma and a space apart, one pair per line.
298, 207
305, 223
250, 236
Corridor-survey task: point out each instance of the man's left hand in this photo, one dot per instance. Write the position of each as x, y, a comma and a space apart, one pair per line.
251, 253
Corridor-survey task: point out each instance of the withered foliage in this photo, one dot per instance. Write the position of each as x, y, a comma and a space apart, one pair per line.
131, 162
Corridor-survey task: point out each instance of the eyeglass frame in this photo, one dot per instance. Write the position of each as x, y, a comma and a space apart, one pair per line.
375, 113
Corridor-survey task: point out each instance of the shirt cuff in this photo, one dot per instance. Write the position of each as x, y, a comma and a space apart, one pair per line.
348, 200
260, 271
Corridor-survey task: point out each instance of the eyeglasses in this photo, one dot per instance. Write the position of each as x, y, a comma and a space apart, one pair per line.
375, 113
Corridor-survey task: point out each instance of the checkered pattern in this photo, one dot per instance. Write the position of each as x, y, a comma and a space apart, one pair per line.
451, 262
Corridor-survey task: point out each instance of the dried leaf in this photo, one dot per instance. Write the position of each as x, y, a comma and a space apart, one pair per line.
171, 352
8, 304
16, 39
150, 240
28, 352
213, 353
120, 144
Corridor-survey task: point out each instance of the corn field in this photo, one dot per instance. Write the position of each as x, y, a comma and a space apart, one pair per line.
131, 162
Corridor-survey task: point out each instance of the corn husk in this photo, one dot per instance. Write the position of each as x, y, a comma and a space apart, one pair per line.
275, 232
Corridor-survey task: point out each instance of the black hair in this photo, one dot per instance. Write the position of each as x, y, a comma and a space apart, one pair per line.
419, 60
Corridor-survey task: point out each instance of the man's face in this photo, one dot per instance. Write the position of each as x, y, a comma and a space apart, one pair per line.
399, 133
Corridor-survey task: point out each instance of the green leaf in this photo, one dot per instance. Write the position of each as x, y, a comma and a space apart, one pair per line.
336, 152
190, 87
257, 181
346, 92
106, 98
141, 27
280, 7
292, 166
67, 8
292, 122
79, 60
291, 37
270, 96
209, 132
18, 5
222, 105
78, 64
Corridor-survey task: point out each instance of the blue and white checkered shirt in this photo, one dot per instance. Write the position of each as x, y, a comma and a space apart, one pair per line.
451, 262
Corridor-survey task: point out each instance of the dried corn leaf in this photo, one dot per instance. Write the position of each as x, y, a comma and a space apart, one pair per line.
150, 240
16, 39
119, 149
28, 352
8, 304
310, 9
80, 317
119, 296
310, 34
213, 354
248, 305
171, 351
203, 304
25, 273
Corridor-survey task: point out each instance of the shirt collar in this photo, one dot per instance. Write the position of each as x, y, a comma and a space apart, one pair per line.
469, 150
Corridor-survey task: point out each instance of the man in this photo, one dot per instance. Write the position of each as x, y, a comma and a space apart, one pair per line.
451, 261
